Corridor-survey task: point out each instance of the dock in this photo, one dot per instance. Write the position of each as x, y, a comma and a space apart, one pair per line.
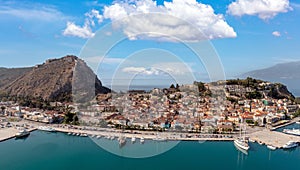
146, 135
9, 133
274, 138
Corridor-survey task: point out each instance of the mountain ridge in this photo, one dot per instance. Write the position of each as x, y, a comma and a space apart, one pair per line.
54, 80
286, 73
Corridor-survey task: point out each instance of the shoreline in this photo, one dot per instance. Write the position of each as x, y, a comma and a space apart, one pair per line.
265, 136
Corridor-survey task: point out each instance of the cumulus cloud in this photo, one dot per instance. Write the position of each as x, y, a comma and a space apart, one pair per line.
142, 71
276, 33
77, 31
84, 31
182, 20
166, 68
264, 9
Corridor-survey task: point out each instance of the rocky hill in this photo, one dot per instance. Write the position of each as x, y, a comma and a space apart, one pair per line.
55, 80
251, 88
8, 75
286, 73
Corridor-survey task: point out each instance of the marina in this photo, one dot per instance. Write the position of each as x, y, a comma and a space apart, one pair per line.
273, 138
72, 152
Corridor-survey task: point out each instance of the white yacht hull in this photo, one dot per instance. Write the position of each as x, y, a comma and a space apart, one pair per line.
240, 145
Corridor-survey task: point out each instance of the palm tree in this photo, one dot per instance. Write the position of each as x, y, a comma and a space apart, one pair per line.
3, 109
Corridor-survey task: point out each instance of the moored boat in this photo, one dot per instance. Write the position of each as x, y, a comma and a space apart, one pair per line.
271, 147
46, 128
122, 141
242, 143
22, 133
290, 144
142, 140
133, 139
292, 131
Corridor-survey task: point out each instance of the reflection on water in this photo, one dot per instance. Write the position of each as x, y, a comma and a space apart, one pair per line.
148, 148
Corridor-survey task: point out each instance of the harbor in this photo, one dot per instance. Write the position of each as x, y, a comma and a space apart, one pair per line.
272, 138
10, 133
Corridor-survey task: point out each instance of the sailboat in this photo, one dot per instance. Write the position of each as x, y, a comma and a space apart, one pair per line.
241, 142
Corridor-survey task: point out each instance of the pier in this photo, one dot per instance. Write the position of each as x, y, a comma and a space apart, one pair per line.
9, 133
274, 138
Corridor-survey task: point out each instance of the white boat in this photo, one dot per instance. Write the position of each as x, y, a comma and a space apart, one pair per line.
22, 133
292, 131
290, 144
260, 142
271, 147
122, 141
46, 128
83, 135
242, 143
98, 136
298, 122
251, 140
142, 140
133, 139
69, 133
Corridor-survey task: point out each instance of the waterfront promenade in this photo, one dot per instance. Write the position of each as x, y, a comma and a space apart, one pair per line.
261, 135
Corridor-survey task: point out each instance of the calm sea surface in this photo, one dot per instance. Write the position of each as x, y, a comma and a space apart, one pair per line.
42, 150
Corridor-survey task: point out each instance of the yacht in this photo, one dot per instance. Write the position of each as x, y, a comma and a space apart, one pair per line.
298, 122
290, 144
133, 139
242, 143
22, 133
46, 128
292, 131
83, 135
122, 141
142, 140
271, 147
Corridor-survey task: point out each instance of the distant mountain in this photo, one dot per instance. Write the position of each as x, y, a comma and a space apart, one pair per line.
286, 73
54, 80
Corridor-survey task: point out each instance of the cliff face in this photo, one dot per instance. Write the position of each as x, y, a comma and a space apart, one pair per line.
54, 81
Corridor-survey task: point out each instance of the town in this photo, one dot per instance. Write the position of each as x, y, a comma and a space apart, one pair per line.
199, 108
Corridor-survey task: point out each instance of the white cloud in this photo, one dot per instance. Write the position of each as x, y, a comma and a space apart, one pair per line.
94, 14
33, 13
105, 60
264, 9
78, 31
142, 71
84, 31
276, 33
166, 68
186, 20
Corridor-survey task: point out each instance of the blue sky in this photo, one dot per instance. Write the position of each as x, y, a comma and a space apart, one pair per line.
245, 39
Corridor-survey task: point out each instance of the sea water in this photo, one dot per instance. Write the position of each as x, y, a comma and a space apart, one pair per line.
44, 150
